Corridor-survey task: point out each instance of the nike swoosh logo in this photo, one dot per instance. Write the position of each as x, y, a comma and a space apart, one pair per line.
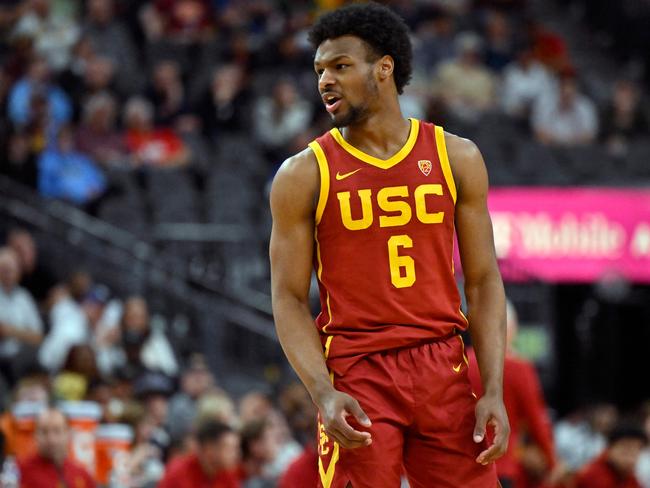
340, 176
457, 368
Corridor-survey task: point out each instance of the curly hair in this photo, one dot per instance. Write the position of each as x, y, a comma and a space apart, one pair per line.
380, 28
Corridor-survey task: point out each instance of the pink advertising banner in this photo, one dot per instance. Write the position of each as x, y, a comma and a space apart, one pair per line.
571, 234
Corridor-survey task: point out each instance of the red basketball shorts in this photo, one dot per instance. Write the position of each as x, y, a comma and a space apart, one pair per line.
421, 406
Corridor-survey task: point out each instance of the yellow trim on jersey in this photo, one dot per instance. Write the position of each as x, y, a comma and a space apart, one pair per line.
323, 168
380, 163
463, 315
326, 477
319, 275
444, 161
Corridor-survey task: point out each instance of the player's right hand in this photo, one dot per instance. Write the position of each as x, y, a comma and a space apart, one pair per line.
335, 407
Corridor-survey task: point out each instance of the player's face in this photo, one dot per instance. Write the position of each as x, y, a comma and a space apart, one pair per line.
346, 79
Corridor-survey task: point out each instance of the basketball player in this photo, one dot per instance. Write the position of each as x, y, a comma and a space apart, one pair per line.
373, 205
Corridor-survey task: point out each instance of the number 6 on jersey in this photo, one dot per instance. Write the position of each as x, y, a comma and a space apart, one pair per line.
402, 268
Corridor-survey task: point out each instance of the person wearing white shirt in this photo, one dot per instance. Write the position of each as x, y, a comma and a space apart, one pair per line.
524, 82
21, 328
565, 118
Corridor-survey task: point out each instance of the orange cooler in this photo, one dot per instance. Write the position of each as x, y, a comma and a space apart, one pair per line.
83, 418
23, 416
112, 446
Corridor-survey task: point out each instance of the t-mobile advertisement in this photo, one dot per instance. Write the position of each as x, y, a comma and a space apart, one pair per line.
572, 234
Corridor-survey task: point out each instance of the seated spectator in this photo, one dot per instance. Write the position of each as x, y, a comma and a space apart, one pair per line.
137, 344
196, 380
225, 107
77, 373
36, 276
254, 405
434, 40
68, 323
65, 173
167, 93
145, 466
110, 38
259, 450
51, 466
499, 41
216, 405
97, 134
464, 85
615, 467
20, 159
218, 453
182, 21
280, 117
524, 82
21, 329
52, 33
567, 117
148, 145
21, 109
623, 119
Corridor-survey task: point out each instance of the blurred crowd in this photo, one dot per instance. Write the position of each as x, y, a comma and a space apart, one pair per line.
91, 88
86, 87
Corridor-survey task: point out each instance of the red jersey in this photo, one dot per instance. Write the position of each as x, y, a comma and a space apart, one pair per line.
38, 472
384, 245
186, 472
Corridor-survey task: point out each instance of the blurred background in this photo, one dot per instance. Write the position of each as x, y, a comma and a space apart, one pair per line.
138, 140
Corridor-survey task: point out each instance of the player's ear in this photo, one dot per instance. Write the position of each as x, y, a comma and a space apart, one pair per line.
385, 67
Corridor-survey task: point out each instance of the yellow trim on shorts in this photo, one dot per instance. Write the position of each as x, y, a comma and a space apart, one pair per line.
326, 477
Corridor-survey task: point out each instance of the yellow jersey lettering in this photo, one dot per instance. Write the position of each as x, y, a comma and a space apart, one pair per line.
366, 210
323, 440
387, 205
421, 205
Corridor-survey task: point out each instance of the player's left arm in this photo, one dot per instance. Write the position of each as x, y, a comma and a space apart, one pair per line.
483, 288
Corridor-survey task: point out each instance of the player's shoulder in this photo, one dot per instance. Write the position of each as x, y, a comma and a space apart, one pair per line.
461, 147
297, 181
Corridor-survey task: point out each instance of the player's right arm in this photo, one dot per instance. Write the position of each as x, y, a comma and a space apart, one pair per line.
293, 195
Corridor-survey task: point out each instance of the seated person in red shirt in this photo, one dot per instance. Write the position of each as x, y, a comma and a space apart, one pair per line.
615, 467
212, 466
51, 467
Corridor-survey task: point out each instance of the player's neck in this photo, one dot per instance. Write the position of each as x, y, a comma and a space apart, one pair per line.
381, 134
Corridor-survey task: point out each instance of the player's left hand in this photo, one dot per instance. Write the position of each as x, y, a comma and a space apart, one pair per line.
491, 411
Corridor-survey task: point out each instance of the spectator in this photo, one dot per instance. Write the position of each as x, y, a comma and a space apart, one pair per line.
225, 107
149, 145
465, 86
582, 436
185, 22
68, 323
259, 450
254, 405
36, 277
434, 42
22, 109
216, 405
110, 38
212, 465
78, 372
524, 401
167, 93
53, 34
21, 329
499, 42
137, 344
51, 466
524, 82
565, 118
281, 117
20, 161
196, 380
65, 173
623, 119
615, 467
97, 135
